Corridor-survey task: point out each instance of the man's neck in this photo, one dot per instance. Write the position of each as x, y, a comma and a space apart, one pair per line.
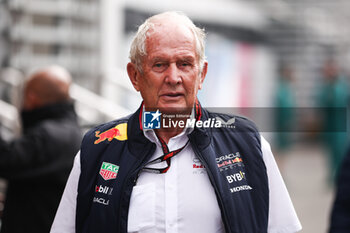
166, 134
173, 130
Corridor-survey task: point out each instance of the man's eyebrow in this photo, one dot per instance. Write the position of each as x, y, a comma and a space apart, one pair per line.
179, 58
157, 59
187, 58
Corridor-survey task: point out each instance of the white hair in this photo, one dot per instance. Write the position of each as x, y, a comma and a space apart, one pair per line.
138, 45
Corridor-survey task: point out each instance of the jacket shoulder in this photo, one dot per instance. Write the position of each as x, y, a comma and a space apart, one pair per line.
241, 129
236, 122
106, 132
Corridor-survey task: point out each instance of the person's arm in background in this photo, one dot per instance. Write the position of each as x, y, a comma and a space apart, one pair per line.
35, 154
21, 154
340, 217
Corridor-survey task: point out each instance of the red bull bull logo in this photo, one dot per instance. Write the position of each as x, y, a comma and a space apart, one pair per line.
119, 132
109, 135
237, 160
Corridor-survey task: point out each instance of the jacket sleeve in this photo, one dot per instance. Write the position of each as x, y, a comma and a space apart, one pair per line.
282, 215
340, 219
35, 154
65, 216
20, 154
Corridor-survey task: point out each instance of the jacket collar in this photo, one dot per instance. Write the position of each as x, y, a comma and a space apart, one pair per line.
139, 143
200, 137
52, 111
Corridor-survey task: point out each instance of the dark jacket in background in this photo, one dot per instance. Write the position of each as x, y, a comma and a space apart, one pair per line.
340, 219
37, 166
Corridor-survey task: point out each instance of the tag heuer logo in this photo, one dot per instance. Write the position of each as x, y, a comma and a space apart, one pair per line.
109, 171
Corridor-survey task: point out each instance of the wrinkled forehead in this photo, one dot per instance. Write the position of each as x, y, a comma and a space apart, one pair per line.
170, 34
171, 26
163, 32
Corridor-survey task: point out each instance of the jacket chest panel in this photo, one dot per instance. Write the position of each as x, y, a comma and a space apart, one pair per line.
112, 177
236, 171
233, 171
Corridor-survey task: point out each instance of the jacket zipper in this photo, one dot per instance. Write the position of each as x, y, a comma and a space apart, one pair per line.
143, 163
138, 169
221, 205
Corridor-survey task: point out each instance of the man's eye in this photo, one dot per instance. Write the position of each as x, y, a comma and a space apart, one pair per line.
159, 67
185, 64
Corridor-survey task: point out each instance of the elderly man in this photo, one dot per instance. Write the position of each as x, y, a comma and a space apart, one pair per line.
37, 164
141, 174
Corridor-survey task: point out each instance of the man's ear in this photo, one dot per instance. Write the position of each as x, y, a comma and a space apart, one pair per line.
203, 74
133, 75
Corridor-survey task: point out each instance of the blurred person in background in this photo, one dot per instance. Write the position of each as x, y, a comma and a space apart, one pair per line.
37, 164
340, 217
333, 95
132, 177
285, 114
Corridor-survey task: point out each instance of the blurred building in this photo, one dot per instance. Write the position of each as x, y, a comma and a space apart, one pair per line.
247, 41
38, 32
35, 33
307, 33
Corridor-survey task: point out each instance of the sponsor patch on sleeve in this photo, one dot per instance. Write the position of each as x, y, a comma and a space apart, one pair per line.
119, 132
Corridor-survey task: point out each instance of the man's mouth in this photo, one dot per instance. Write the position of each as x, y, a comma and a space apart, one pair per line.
173, 94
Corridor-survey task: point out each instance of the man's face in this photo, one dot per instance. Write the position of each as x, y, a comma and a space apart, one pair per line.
171, 74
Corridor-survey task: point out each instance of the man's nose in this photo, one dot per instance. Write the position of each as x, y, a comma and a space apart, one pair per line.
173, 75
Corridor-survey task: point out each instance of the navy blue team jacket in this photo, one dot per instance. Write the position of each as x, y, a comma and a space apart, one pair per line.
113, 154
